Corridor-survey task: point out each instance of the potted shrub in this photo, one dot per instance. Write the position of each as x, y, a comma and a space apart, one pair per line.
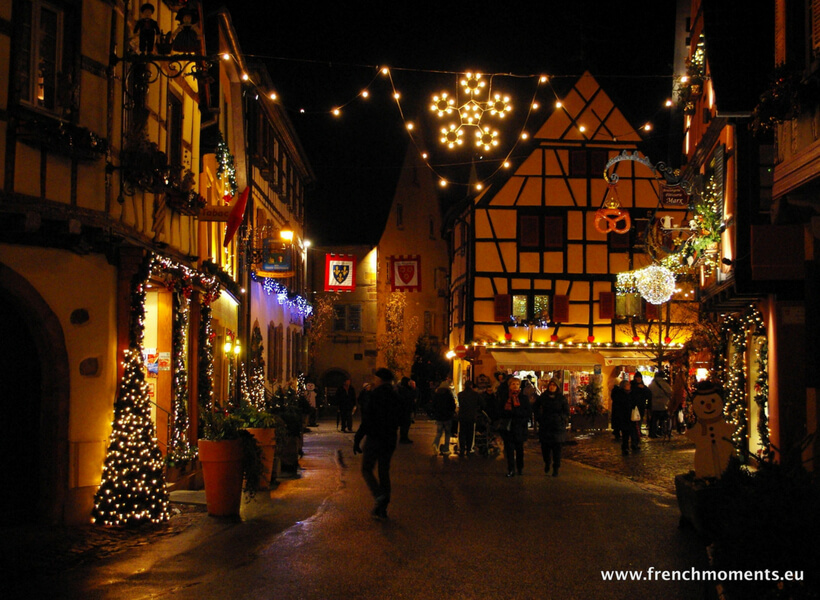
264, 427
228, 455
590, 414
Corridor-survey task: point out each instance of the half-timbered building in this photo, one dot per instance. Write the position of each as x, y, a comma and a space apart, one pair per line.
534, 264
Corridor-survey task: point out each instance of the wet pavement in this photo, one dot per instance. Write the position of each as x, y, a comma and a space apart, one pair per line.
28, 553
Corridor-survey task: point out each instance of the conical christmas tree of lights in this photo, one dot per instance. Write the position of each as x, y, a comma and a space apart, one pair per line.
133, 489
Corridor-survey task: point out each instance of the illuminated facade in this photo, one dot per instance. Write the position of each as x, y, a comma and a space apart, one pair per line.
534, 273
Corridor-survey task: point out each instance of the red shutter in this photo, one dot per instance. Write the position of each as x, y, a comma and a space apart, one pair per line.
502, 307
606, 305
560, 309
528, 231
651, 311
553, 233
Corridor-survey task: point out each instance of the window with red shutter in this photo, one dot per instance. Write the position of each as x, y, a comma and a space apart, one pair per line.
502, 307
560, 309
553, 232
606, 305
651, 311
528, 231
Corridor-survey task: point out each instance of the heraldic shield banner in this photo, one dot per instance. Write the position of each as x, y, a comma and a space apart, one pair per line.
340, 272
405, 273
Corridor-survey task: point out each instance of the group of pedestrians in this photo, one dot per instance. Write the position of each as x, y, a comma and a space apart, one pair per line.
510, 409
632, 400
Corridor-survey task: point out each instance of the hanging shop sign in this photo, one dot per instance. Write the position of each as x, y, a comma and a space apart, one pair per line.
277, 259
674, 196
215, 213
340, 272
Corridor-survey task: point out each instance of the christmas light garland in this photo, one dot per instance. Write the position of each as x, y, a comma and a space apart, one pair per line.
226, 166
735, 332
284, 296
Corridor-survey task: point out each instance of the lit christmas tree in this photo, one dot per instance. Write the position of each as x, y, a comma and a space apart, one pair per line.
133, 489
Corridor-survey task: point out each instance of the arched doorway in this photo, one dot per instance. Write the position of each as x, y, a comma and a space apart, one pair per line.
34, 394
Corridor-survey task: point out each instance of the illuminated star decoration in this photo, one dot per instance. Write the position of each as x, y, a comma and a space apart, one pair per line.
475, 103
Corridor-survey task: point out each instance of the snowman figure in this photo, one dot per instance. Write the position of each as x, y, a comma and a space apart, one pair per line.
711, 433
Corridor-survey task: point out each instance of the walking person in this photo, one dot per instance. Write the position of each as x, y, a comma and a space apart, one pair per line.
514, 410
469, 403
444, 409
642, 396
661, 393
620, 401
551, 410
407, 394
346, 401
379, 428
631, 424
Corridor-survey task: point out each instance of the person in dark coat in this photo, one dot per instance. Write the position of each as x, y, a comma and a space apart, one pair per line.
346, 401
444, 409
379, 427
630, 432
551, 410
469, 403
642, 397
514, 411
620, 400
407, 393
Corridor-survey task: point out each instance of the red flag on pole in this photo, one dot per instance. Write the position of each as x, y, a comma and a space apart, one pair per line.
235, 218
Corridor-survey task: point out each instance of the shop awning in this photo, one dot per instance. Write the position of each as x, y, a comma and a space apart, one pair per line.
625, 356
546, 359
555, 359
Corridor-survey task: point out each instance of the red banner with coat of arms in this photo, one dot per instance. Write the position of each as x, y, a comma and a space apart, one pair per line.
405, 273
340, 272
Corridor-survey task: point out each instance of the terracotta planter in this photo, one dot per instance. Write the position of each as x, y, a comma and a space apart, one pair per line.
289, 452
222, 469
266, 438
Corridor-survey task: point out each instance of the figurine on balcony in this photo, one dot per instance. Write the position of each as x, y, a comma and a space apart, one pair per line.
147, 29
186, 36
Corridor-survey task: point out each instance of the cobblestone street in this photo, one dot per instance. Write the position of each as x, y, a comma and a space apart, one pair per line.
655, 465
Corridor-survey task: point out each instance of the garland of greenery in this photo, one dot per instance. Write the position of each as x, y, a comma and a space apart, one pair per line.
762, 393
180, 450
735, 332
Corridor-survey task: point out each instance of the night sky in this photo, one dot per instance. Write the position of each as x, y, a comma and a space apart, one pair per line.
320, 56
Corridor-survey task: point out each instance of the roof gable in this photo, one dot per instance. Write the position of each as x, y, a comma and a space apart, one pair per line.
587, 105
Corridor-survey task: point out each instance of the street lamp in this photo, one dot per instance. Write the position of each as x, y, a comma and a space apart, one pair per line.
232, 349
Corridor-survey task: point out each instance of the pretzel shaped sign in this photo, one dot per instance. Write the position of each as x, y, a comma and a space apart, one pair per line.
612, 219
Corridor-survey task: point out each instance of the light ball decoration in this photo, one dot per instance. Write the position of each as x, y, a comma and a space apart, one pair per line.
656, 284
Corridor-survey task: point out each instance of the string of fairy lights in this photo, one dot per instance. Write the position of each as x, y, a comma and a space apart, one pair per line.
466, 110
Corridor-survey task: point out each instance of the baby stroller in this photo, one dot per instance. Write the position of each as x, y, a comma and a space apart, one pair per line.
485, 442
